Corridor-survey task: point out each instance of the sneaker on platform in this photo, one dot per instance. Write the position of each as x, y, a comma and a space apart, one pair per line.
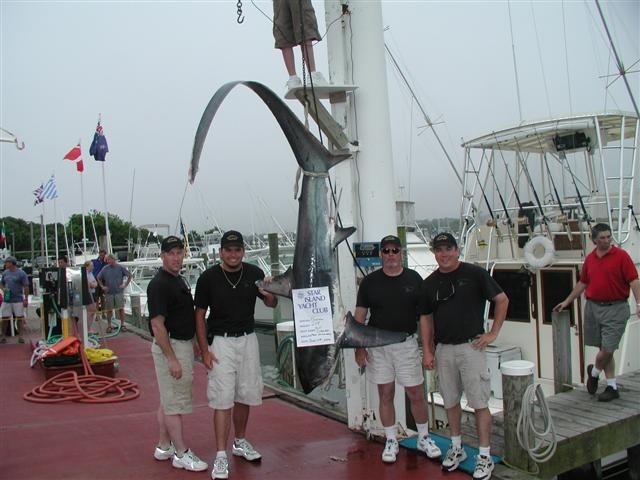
391, 449
455, 456
318, 79
484, 467
428, 446
161, 454
189, 461
609, 394
592, 382
220, 468
294, 82
244, 449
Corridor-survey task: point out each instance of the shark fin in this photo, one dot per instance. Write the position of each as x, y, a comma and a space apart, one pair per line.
357, 335
342, 234
280, 285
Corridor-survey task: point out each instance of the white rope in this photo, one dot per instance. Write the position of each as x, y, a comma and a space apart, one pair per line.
543, 442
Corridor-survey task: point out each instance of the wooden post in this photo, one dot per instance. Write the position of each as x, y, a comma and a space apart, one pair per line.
517, 375
633, 459
136, 311
561, 351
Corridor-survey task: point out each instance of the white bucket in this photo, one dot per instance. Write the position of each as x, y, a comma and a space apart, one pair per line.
517, 368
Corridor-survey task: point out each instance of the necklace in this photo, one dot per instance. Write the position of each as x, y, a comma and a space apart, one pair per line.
233, 285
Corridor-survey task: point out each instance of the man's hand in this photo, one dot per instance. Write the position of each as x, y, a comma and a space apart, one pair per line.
175, 369
481, 341
428, 360
208, 358
362, 357
561, 306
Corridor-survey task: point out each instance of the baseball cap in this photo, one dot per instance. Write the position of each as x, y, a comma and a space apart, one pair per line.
390, 239
11, 259
171, 242
444, 239
232, 238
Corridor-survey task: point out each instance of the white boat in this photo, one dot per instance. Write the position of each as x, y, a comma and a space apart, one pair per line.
531, 195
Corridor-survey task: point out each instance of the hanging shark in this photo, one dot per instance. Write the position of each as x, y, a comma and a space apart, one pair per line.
317, 235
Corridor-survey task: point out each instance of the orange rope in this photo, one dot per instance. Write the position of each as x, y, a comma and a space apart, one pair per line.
87, 388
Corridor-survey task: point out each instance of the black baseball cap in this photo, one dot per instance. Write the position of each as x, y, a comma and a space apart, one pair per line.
390, 239
171, 242
232, 238
444, 239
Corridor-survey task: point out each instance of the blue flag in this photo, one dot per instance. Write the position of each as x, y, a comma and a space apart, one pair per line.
99, 147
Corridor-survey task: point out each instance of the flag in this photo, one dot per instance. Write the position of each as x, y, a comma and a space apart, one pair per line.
80, 166
3, 235
99, 148
50, 192
74, 154
39, 195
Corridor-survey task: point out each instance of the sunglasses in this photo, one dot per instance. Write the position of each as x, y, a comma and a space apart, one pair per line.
387, 251
449, 291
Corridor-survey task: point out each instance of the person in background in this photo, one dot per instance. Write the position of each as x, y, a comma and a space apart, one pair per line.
391, 294
229, 346
294, 23
112, 281
608, 273
98, 264
15, 294
172, 325
452, 307
92, 283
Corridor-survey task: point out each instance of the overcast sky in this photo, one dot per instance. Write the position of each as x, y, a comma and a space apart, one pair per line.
151, 67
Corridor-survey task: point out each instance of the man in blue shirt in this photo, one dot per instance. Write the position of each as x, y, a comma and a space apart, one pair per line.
15, 291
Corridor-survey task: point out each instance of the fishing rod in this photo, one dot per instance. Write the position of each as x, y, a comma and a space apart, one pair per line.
515, 190
503, 203
494, 222
533, 188
585, 215
555, 190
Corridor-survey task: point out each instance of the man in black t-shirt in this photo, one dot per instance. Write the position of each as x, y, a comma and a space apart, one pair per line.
172, 325
391, 295
452, 323
229, 345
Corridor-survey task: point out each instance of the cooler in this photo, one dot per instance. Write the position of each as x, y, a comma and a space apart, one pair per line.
496, 355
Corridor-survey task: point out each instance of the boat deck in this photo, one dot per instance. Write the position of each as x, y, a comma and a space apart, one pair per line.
116, 440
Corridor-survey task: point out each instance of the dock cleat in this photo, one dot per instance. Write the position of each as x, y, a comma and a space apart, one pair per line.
455, 456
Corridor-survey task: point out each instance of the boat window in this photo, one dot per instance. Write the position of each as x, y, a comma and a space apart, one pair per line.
516, 285
556, 286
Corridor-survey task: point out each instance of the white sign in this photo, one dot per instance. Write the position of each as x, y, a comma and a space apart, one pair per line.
313, 316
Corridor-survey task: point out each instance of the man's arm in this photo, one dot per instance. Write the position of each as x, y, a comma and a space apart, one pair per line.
362, 357
635, 288
427, 337
162, 339
575, 293
201, 335
269, 299
501, 304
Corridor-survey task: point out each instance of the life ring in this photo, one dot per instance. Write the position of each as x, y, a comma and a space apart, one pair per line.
548, 252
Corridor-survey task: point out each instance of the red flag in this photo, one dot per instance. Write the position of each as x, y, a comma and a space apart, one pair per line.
74, 153
80, 166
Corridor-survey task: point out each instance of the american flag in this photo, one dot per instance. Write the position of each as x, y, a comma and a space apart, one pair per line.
38, 192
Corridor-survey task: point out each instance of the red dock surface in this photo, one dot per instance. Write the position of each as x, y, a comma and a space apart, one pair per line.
116, 440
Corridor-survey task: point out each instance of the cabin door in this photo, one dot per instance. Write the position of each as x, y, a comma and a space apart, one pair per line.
554, 285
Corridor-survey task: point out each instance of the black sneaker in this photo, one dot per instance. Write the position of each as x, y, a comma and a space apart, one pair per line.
592, 382
609, 394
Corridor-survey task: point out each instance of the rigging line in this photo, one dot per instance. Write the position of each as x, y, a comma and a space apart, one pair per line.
544, 76
619, 63
424, 113
566, 57
184, 194
515, 65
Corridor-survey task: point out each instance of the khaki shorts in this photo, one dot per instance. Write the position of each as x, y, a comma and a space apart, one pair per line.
237, 376
462, 367
399, 361
175, 394
7, 310
604, 325
286, 15
115, 301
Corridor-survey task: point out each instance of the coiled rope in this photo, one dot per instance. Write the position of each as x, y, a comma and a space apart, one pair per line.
87, 388
539, 444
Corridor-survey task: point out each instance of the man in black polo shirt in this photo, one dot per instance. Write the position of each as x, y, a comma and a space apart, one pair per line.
229, 347
172, 324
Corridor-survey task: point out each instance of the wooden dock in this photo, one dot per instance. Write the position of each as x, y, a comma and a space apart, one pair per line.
586, 430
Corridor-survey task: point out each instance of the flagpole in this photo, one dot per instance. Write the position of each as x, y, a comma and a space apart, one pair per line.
46, 244
84, 229
106, 210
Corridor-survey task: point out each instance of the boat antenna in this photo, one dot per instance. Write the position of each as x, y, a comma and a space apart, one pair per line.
621, 69
515, 65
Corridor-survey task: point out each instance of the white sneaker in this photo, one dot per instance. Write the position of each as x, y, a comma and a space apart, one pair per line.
294, 82
220, 468
428, 446
244, 449
161, 454
189, 461
391, 449
484, 467
455, 456
318, 79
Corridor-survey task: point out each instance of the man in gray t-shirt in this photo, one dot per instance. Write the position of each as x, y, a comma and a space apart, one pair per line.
113, 279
